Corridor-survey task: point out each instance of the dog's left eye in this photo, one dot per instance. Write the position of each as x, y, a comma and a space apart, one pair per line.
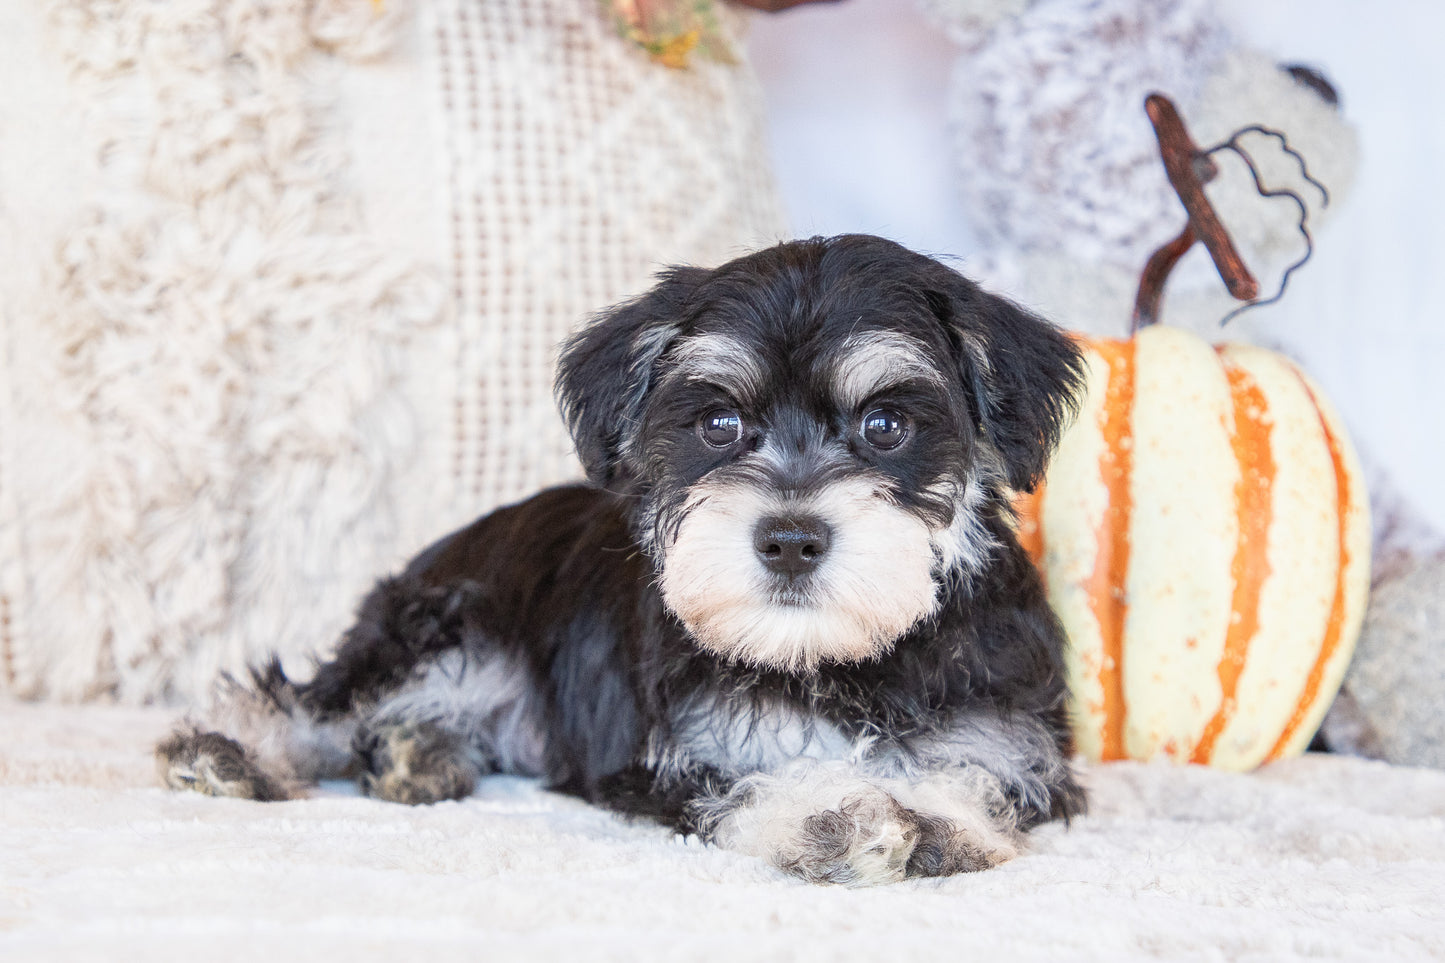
720, 427
884, 428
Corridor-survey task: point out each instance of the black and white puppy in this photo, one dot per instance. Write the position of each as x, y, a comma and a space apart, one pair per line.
789, 613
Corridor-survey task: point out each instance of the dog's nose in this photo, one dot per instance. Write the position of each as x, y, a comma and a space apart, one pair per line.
792, 546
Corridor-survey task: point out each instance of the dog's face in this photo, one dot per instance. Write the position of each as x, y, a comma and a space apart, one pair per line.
814, 436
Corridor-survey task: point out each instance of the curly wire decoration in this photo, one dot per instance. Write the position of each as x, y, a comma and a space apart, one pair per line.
1232, 144
1304, 170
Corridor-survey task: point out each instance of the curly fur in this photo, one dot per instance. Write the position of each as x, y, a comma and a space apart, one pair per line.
883, 707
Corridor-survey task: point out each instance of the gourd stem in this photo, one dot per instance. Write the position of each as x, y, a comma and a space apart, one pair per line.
1188, 169
1156, 272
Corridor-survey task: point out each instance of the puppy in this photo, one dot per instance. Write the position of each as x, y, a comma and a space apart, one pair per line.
788, 614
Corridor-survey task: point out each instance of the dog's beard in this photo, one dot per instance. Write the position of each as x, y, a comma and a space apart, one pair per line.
875, 582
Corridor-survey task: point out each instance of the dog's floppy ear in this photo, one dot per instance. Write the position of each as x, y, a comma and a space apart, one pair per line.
605, 370
1024, 376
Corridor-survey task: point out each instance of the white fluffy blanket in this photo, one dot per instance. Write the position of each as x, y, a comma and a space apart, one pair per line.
1319, 857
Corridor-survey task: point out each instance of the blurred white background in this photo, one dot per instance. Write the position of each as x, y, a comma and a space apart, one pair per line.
857, 100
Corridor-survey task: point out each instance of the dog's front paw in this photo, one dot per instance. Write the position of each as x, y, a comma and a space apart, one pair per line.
213, 764
872, 838
826, 825
868, 839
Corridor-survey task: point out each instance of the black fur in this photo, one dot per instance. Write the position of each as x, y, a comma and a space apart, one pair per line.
819, 291
563, 587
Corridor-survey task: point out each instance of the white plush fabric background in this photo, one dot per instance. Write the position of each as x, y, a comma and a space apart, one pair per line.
281, 289
1316, 858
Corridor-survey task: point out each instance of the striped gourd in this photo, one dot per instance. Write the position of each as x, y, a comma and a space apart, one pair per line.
1204, 535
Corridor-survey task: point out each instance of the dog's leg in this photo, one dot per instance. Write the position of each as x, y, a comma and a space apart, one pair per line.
1025, 756
962, 794
457, 718
953, 799
258, 742
832, 823
267, 737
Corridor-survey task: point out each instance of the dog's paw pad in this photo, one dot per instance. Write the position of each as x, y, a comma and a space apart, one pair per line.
215, 765
414, 764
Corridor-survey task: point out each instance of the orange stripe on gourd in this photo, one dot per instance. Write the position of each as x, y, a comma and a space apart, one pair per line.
1250, 568
1107, 597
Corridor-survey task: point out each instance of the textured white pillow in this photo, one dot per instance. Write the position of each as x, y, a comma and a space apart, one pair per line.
281, 285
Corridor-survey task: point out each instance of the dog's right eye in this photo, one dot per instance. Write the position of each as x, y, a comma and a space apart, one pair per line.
884, 428
720, 427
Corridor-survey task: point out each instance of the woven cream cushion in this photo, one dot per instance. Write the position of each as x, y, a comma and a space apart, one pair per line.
281, 286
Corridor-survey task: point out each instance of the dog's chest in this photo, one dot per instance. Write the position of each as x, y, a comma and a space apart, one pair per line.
742, 736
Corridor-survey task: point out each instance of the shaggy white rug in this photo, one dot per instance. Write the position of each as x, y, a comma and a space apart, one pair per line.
1319, 857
